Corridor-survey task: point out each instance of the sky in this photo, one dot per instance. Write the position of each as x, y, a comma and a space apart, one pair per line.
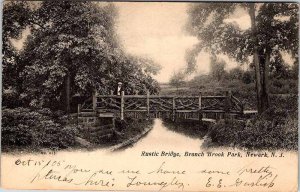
156, 30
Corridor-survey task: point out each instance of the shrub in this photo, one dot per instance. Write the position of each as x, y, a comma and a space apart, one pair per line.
284, 86
248, 77
288, 103
11, 99
225, 133
37, 129
274, 129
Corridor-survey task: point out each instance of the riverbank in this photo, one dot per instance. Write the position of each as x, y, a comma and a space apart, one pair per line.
171, 147
34, 131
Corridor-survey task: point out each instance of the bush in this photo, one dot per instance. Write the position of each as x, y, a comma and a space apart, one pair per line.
11, 99
225, 133
274, 129
248, 77
287, 103
284, 86
37, 129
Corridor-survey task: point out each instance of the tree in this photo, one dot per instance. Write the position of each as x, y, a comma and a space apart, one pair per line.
177, 79
69, 45
136, 75
72, 50
15, 19
217, 68
274, 28
235, 73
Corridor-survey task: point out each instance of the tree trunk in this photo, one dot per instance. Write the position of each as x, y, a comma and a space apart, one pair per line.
67, 87
259, 86
265, 78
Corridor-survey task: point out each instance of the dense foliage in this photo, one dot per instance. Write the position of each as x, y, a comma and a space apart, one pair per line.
274, 129
35, 128
14, 24
72, 49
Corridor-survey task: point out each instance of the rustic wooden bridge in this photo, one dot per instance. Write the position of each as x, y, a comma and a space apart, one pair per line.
167, 107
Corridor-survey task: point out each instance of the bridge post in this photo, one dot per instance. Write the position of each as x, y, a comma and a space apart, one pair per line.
148, 104
94, 100
200, 108
78, 112
122, 105
78, 108
227, 105
173, 109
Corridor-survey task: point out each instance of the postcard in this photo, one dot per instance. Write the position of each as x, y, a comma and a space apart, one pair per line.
150, 96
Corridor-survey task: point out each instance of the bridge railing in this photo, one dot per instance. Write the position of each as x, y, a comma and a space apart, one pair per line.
168, 106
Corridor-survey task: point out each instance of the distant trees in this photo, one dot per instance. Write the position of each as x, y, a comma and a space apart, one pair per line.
177, 79
274, 28
72, 48
217, 68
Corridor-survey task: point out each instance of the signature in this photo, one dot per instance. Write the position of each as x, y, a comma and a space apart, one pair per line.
134, 181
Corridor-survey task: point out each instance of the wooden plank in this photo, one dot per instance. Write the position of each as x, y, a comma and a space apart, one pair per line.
162, 97
145, 110
213, 111
78, 108
173, 109
106, 115
250, 112
122, 106
200, 102
227, 104
148, 103
209, 120
78, 112
200, 108
179, 111
94, 100
187, 111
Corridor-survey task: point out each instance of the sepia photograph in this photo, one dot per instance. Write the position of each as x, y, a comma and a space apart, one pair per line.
150, 96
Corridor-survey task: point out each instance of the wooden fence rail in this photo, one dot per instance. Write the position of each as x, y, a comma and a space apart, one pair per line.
151, 106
